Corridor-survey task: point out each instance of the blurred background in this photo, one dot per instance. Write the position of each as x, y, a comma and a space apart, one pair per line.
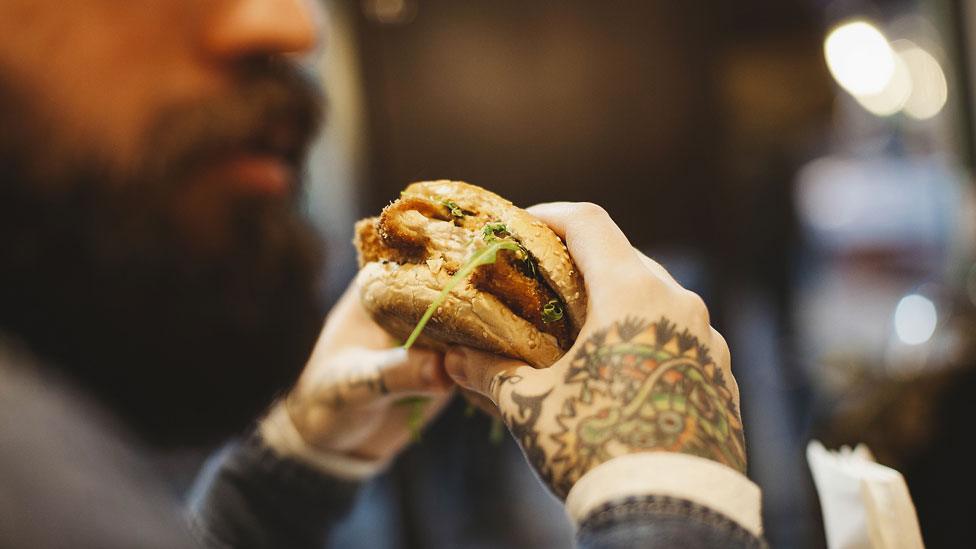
806, 166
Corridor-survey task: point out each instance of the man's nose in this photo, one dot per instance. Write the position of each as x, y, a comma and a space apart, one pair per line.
262, 27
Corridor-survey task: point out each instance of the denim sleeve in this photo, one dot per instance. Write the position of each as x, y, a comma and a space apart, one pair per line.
249, 497
661, 521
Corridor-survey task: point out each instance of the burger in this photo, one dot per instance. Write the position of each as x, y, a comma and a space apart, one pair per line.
450, 263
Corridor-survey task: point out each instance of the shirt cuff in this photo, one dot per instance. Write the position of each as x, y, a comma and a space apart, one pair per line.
699, 480
280, 434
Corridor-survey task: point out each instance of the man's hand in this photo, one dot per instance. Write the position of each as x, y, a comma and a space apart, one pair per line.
648, 373
355, 397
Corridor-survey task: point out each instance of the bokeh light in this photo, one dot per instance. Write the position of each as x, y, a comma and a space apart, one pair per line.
885, 77
859, 57
929, 88
894, 96
915, 319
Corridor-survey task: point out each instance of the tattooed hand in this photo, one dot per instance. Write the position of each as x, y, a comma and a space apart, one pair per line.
648, 373
350, 397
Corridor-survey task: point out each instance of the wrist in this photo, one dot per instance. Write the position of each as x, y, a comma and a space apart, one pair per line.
681, 476
279, 432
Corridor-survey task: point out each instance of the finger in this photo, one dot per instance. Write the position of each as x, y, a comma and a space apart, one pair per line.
415, 370
723, 359
399, 427
657, 269
484, 373
480, 402
403, 413
720, 350
597, 245
360, 376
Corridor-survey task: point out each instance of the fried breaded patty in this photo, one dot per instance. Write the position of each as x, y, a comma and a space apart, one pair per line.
523, 294
372, 247
402, 223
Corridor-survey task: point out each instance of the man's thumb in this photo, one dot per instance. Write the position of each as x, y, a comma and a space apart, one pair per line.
478, 371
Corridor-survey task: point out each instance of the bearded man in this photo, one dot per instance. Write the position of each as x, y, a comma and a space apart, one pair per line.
158, 288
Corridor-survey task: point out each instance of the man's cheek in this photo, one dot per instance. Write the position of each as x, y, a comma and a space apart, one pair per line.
101, 71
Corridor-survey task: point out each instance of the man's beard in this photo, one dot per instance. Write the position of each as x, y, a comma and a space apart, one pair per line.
184, 305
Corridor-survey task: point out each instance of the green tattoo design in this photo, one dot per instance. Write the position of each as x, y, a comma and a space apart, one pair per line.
635, 386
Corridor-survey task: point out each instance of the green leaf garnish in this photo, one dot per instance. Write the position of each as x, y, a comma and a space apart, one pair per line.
484, 256
492, 230
552, 311
528, 262
497, 433
452, 206
415, 417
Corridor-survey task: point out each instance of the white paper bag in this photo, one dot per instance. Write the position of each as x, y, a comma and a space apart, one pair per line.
865, 505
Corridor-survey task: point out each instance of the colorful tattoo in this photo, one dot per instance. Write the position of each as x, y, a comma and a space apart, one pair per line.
635, 386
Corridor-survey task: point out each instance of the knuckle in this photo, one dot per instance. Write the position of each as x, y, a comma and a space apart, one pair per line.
590, 211
696, 306
693, 300
495, 387
720, 347
488, 382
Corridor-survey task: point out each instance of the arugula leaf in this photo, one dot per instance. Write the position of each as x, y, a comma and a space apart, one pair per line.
529, 263
492, 230
452, 206
552, 311
415, 417
484, 256
497, 432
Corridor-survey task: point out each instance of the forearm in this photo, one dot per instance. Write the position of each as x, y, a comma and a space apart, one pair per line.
250, 496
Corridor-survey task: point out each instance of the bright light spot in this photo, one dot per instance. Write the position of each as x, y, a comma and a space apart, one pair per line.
915, 319
929, 88
859, 58
894, 96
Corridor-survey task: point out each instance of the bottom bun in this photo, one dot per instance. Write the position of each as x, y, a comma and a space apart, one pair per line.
396, 296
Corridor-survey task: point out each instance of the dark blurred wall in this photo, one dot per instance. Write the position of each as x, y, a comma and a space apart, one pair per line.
574, 100
660, 111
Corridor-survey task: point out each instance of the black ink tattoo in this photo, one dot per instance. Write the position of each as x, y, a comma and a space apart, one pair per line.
635, 386
525, 431
334, 394
496, 382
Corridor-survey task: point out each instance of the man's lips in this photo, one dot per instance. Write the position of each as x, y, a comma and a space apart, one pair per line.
259, 173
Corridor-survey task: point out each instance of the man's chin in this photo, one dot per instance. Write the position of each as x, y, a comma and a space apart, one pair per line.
222, 341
